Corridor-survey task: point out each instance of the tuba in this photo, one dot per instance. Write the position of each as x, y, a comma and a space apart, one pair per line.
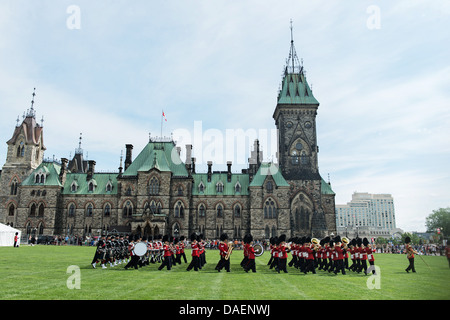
259, 249
316, 243
230, 245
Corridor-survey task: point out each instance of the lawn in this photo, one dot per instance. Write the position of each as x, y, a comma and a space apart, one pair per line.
44, 273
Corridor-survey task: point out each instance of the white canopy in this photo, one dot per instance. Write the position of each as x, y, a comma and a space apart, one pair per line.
7, 234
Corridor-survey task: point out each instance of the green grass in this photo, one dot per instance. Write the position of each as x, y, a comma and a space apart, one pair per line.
40, 273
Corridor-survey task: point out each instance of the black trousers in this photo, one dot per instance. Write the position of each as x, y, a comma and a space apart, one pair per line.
167, 262
339, 266
193, 264
309, 266
282, 265
223, 263
183, 255
250, 265
133, 263
411, 265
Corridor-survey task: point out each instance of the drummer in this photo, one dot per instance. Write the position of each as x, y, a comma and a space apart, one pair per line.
134, 258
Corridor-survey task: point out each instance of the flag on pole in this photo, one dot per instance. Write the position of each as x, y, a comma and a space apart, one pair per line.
164, 116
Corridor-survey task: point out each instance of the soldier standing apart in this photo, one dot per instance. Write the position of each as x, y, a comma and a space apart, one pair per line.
410, 254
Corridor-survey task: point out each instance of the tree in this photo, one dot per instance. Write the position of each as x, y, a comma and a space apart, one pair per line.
439, 219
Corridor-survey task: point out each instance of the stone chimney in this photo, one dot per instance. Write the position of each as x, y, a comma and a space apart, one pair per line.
209, 170
229, 171
193, 164
63, 172
129, 155
91, 169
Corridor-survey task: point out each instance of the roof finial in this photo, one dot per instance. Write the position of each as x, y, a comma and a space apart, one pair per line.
31, 112
292, 61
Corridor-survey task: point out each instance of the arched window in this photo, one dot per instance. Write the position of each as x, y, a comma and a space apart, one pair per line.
219, 187
12, 210
91, 187
71, 210
201, 210
201, 187
41, 229
107, 210
33, 210
237, 211
128, 209
74, 187
36, 180
153, 187
219, 211
179, 210
269, 186
42, 178
237, 187
14, 187
41, 210
89, 210
109, 186
180, 190
270, 210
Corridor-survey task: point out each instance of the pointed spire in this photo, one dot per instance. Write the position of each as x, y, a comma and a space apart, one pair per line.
293, 64
31, 112
79, 150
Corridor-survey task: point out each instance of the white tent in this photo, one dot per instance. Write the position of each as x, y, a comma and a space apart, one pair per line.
7, 234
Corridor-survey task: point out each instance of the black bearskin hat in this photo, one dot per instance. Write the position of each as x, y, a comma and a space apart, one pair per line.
407, 240
281, 238
182, 238
359, 242
223, 237
353, 242
337, 239
365, 242
165, 238
193, 237
248, 238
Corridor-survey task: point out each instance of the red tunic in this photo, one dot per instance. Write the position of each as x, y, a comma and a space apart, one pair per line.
251, 252
194, 252
223, 247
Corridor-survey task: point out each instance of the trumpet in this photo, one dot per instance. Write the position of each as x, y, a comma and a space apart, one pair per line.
230, 248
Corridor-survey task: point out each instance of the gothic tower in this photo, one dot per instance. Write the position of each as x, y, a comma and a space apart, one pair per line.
295, 119
25, 153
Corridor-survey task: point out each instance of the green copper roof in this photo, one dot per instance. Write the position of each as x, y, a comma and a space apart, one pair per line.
99, 180
326, 188
295, 90
162, 156
51, 172
265, 169
229, 188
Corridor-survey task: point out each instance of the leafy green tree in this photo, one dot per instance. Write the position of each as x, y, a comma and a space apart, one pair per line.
439, 219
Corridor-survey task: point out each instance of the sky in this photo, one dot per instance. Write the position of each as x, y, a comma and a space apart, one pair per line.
379, 69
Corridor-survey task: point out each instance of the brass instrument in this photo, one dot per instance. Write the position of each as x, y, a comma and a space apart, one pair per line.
259, 249
230, 248
316, 243
345, 240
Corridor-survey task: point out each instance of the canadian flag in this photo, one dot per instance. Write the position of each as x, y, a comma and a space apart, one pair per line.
164, 116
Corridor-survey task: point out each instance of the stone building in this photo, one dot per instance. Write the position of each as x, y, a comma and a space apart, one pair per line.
157, 193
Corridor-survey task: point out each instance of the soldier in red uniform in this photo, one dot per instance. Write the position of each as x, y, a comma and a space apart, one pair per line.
223, 251
339, 256
246, 247
182, 246
167, 262
282, 254
309, 249
194, 254
250, 265
410, 254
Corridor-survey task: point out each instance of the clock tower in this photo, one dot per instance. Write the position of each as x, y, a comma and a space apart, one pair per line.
295, 119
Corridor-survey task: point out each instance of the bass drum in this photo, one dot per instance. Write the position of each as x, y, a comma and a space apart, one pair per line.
140, 249
259, 249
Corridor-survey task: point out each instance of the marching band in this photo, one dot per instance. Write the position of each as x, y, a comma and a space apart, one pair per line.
308, 254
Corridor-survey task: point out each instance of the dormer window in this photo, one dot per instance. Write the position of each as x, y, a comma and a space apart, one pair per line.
237, 187
39, 178
201, 187
74, 187
109, 186
91, 186
219, 187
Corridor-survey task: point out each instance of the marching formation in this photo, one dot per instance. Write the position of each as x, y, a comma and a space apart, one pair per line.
307, 254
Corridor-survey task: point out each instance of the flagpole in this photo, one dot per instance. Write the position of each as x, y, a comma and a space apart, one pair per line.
162, 112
